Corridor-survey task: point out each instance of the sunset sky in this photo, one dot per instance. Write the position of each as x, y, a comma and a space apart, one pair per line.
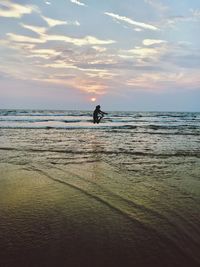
124, 55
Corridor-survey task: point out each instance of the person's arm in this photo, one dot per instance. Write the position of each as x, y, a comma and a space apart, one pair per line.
103, 112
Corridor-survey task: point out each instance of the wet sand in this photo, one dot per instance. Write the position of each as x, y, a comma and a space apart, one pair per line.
94, 214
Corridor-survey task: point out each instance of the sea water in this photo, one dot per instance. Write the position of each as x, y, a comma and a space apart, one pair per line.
139, 142
129, 185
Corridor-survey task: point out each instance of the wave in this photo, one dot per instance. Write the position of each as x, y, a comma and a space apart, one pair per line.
187, 131
50, 113
157, 127
124, 127
162, 123
111, 152
25, 120
126, 122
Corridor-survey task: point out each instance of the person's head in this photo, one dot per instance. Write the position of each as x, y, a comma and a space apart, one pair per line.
98, 107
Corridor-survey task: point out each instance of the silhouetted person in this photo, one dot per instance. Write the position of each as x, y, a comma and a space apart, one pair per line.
96, 113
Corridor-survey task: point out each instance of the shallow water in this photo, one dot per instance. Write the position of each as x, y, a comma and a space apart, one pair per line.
121, 193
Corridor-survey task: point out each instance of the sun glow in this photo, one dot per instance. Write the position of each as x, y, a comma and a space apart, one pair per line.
93, 99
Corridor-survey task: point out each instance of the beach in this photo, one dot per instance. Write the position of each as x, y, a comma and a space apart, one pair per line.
125, 192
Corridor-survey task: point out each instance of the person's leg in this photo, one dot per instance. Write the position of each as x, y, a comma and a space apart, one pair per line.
95, 119
99, 118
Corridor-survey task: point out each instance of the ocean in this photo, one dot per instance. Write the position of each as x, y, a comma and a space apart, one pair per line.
124, 192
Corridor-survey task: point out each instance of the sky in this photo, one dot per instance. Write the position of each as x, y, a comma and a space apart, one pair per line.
140, 55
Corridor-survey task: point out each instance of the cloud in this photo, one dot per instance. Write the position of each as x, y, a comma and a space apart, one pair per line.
75, 23
138, 30
157, 5
95, 65
47, 3
91, 59
59, 64
182, 55
195, 13
172, 21
141, 52
43, 30
24, 39
36, 29
155, 81
79, 82
132, 22
87, 70
149, 42
187, 61
165, 81
17, 46
53, 22
77, 2
87, 40
44, 53
14, 10
89, 85
99, 49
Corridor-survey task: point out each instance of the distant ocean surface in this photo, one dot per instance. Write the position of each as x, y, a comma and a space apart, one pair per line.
123, 134
170, 122
132, 183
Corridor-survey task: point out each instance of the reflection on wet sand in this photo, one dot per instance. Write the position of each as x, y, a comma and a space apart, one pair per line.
93, 214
